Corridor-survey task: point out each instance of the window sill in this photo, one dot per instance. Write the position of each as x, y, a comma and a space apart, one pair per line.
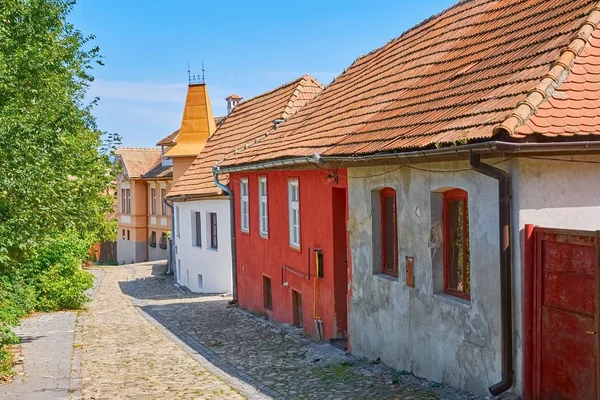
450, 299
386, 277
245, 232
296, 249
264, 235
215, 249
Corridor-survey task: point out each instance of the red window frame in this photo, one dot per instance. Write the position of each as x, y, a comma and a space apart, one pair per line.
449, 197
383, 195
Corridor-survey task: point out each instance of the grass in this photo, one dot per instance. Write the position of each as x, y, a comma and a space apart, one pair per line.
343, 372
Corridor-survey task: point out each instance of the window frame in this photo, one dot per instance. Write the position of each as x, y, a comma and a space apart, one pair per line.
267, 294
449, 197
153, 201
123, 202
213, 230
244, 199
153, 239
263, 198
196, 229
163, 196
163, 241
383, 195
294, 207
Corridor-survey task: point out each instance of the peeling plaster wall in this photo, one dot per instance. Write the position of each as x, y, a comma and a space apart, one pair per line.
213, 265
420, 329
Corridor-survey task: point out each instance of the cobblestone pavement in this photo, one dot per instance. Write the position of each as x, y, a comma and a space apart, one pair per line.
123, 356
278, 360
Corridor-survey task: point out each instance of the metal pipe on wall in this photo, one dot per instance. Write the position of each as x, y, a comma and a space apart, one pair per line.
506, 312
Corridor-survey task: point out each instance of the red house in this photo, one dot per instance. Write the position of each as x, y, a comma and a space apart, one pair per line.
292, 261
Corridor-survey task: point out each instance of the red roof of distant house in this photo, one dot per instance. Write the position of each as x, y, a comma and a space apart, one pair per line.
136, 161
480, 70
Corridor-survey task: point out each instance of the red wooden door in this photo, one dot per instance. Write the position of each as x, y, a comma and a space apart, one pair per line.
566, 342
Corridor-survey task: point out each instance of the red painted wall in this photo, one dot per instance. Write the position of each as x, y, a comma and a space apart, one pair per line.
257, 256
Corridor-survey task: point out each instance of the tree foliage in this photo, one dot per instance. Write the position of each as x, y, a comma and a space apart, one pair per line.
54, 162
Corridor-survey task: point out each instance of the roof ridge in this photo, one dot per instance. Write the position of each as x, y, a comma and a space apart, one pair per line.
282, 86
558, 73
297, 92
138, 148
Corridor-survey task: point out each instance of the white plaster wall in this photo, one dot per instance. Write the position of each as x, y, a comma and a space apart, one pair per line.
129, 252
418, 329
213, 265
156, 253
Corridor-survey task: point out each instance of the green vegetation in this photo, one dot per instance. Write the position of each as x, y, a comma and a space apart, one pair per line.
342, 372
54, 163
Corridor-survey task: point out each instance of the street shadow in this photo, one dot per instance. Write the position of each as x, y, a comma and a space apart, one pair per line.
29, 339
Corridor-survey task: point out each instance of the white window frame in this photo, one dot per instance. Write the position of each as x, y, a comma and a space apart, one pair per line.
163, 196
153, 201
244, 206
209, 231
294, 212
263, 206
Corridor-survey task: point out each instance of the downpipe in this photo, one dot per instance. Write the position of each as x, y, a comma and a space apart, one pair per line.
227, 189
506, 312
172, 249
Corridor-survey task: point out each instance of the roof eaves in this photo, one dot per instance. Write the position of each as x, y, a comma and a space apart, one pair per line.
555, 77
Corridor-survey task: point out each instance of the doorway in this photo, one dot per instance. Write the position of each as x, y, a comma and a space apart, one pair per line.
297, 309
340, 262
565, 312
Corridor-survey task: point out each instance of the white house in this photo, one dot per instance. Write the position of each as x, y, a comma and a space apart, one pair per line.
202, 210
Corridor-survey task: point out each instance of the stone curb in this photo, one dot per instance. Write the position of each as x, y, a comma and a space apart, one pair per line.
240, 381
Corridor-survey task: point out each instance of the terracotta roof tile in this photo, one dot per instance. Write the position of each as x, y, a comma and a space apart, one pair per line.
473, 71
136, 161
249, 120
170, 140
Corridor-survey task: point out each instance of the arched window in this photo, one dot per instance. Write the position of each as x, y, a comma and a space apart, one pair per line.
389, 232
457, 268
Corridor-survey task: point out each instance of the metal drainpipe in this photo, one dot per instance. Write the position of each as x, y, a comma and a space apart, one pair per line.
172, 249
226, 189
506, 314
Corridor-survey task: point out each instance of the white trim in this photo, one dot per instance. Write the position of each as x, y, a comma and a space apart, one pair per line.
195, 227
163, 221
177, 221
153, 220
263, 206
244, 205
126, 219
294, 212
209, 231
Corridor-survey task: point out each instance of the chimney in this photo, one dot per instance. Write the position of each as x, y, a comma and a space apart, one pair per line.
232, 101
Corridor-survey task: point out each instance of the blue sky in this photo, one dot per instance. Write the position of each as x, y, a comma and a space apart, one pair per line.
248, 47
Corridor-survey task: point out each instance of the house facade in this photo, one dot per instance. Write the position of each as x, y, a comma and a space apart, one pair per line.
291, 248
202, 210
472, 212
132, 203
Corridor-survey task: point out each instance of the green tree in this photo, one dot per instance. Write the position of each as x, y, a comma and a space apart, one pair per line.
54, 162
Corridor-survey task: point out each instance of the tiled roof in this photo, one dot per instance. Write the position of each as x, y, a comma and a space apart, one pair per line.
248, 121
137, 161
170, 140
479, 69
158, 171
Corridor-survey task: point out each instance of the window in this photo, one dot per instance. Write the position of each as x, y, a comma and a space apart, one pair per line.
245, 220
263, 209
214, 240
163, 241
457, 269
153, 201
125, 201
200, 283
389, 232
267, 293
163, 196
123, 234
294, 213
196, 229
153, 239
178, 227
128, 238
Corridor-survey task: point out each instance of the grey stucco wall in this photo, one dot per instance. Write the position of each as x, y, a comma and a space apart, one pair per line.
156, 253
420, 329
129, 251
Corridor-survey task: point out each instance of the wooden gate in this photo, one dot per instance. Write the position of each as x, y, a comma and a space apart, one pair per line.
565, 315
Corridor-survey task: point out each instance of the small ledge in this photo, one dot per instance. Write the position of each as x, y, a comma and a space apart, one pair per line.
448, 298
387, 277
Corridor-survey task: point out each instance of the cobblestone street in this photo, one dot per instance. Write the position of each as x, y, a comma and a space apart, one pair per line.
279, 361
